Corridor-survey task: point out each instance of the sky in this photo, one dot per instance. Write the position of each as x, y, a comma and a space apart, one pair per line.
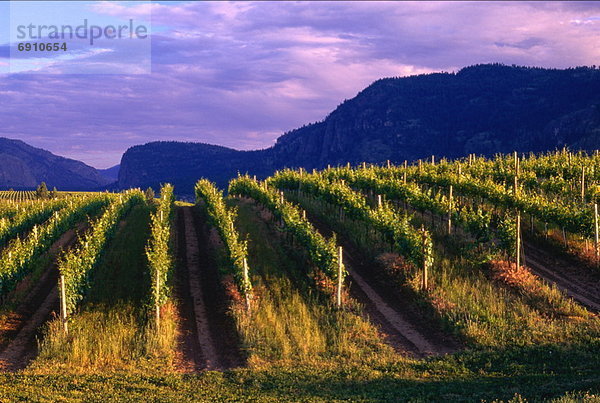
240, 74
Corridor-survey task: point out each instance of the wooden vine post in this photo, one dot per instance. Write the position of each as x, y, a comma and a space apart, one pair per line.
596, 250
424, 283
63, 304
518, 226
157, 291
280, 202
583, 184
379, 202
450, 210
157, 299
339, 276
246, 282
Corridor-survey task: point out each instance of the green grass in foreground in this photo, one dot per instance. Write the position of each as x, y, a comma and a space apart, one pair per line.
534, 373
111, 332
291, 323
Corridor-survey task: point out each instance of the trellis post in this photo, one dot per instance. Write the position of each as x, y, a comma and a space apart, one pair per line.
246, 282
518, 241
450, 211
583, 184
339, 276
596, 251
518, 229
63, 304
424, 284
157, 300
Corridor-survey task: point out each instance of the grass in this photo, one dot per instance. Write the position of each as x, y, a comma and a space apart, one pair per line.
111, 332
565, 374
338, 358
291, 322
469, 303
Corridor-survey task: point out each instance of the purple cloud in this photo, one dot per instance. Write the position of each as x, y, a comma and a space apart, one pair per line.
240, 74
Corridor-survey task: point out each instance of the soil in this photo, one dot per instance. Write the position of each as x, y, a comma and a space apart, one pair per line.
208, 339
20, 328
386, 306
580, 283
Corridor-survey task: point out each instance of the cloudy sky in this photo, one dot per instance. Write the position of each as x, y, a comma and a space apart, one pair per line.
239, 74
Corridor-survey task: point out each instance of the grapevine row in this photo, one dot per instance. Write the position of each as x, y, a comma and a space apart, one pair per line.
480, 223
18, 258
413, 244
26, 219
575, 220
158, 251
18, 195
222, 218
323, 252
76, 266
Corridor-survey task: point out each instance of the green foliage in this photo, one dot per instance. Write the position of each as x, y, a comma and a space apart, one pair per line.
323, 252
566, 213
222, 218
77, 264
42, 191
408, 241
482, 224
158, 251
26, 218
19, 257
149, 194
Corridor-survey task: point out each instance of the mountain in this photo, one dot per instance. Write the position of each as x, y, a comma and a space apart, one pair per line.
482, 109
181, 164
24, 167
111, 174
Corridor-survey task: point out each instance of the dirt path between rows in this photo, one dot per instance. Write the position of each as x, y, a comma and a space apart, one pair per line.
207, 335
20, 328
403, 328
579, 283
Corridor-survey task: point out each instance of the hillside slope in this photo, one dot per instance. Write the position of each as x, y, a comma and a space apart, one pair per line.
111, 174
482, 109
181, 164
24, 167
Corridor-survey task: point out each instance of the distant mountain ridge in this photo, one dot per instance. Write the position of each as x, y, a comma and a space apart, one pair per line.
24, 167
482, 109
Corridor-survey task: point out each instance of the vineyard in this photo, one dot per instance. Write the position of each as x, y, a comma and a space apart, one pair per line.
472, 279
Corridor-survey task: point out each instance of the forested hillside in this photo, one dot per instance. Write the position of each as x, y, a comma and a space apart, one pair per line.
483, 109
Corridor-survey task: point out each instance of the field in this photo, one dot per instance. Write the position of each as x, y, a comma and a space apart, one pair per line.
468, 280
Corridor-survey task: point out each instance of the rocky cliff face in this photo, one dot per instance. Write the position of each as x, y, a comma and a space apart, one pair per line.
181, 164
24, 167
482, 109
